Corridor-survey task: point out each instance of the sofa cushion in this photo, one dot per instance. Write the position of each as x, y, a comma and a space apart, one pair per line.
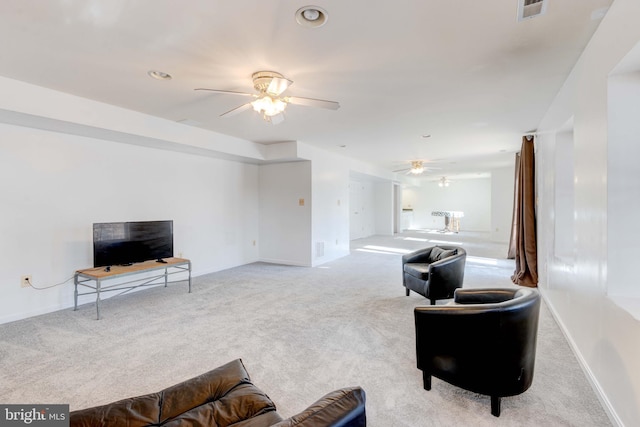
221, 397
345, 407
418, 270
134, 412
437, 253
447, 253
225, 394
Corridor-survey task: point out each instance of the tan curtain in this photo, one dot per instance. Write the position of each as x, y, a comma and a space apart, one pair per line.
516, 212
526, 273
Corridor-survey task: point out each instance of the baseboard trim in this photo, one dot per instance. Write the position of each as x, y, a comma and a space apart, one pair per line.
33, 313
602, 397
284, 262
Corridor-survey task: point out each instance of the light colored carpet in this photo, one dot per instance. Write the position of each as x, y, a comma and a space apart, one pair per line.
301, 333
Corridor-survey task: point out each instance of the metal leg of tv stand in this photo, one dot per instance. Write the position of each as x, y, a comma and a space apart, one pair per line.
75, 292
98, 299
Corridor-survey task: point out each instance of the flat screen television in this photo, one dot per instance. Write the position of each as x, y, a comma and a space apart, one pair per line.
123, 243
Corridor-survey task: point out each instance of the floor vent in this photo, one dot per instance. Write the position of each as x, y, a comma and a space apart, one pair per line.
528, 9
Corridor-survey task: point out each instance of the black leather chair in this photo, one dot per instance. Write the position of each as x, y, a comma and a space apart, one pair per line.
484, 343
435, 272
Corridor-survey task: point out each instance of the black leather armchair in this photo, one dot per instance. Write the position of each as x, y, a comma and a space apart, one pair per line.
435, 272
485, 343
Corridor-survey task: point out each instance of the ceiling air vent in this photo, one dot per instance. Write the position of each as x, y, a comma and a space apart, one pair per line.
528, 9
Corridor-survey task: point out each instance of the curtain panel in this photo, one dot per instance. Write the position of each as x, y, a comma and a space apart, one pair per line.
516, 211
523, 237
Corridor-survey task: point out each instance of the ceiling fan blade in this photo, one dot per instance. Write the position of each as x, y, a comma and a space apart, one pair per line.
402, 170
237, 110
278, 85
311, 102
229, 92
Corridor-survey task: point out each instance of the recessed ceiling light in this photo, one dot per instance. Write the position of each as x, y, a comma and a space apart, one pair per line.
159, 75
311, 16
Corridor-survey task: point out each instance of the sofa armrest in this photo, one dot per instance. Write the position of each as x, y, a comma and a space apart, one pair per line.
340, 408
483, 296
449, 270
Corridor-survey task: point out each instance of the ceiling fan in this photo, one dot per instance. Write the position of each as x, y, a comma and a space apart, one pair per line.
268, 101
444, 182
417, 168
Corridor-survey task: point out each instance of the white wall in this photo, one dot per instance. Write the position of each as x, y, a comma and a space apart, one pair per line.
623, 184
564, 212
362, 220
330, 208
383, 205
502, 191
605, 337
371, 204
285, 213
471, 196
54, 186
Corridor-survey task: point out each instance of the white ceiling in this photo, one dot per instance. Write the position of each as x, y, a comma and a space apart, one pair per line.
465, 72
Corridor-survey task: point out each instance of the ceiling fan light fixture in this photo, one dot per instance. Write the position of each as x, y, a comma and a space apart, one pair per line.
311, 16
268, 102
416, 167
443, 182
268, 106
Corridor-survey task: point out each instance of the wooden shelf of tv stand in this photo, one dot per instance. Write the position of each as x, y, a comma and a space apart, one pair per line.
97, 275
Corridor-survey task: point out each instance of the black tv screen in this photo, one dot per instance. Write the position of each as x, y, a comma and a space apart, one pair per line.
121, 243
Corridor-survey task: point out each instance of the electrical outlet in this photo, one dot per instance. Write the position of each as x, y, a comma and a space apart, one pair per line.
25, 281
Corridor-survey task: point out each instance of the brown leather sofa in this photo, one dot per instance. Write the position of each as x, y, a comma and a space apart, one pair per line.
222, 397
485, 342
434, 272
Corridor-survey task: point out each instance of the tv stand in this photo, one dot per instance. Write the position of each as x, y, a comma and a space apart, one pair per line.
93, 278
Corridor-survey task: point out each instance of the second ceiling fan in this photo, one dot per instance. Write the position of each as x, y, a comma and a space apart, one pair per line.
417, 168
268, 101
